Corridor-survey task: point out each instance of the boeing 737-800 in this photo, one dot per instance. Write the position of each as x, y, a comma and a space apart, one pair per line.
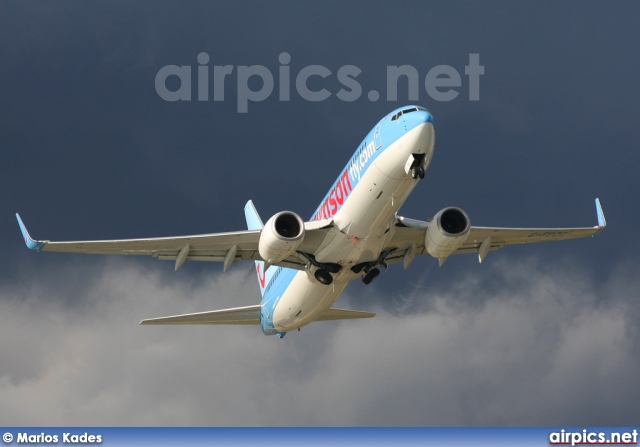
303, 267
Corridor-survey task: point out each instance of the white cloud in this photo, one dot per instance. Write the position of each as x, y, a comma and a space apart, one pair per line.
525, 343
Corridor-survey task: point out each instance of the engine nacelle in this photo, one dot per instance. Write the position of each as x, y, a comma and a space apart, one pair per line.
281, 236
446, 232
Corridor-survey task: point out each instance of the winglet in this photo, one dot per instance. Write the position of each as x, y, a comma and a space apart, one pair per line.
31, 244
601, 220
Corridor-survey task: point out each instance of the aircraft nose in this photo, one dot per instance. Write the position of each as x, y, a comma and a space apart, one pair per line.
417, 117
424, 116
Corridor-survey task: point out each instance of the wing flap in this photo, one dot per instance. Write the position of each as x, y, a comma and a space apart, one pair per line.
236, 315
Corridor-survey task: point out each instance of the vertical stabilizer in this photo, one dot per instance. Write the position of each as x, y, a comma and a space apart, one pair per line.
255, 223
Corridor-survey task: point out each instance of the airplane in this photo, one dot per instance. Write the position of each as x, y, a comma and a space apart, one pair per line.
303, 267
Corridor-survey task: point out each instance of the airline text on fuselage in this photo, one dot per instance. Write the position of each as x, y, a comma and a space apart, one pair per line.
349, 178
337, 197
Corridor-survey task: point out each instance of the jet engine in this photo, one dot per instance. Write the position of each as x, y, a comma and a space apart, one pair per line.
446, 232
281, 236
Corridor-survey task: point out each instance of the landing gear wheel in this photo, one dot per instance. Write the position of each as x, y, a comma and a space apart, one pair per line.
414, 172
323, 277
332, 268
420, 172
370, 276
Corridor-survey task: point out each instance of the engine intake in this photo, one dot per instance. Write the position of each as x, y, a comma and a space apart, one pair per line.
281, 236
446, 232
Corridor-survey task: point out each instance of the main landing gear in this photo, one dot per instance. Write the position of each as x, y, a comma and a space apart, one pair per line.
372, 274
324, 269
323, 277
370, 269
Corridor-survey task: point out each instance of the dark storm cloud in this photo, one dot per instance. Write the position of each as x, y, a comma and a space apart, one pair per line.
89, 150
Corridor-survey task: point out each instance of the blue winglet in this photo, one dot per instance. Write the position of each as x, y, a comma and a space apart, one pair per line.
31, 244
601, 220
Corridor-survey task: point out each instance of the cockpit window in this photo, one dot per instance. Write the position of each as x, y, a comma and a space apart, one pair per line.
400, 113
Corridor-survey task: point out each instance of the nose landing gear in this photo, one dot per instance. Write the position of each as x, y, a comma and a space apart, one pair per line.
417, 166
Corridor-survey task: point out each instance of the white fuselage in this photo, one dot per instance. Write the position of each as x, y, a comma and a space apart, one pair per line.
362, 226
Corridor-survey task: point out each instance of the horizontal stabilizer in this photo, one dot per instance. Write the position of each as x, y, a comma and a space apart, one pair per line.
247, 315
237, 315
344, 314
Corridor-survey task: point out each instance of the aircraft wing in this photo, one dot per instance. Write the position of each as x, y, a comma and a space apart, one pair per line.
215, 247
408, 239
406, 243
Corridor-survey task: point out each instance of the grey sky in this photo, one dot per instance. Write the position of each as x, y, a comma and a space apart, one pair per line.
546, 334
